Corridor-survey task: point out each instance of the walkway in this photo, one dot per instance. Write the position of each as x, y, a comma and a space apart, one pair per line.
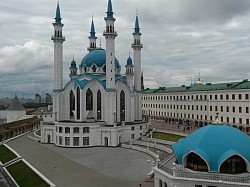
70, 167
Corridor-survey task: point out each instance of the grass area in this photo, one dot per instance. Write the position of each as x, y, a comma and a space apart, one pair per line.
38, 132
25, 177
166, 136
6, 155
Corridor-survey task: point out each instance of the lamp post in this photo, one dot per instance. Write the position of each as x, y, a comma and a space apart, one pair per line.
114, 116
98, 115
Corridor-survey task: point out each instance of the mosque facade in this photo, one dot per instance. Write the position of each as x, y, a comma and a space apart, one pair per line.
98, 106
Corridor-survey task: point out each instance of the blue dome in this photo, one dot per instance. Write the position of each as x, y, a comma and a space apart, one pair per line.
97, 57
73, 64
214, 143
129, 61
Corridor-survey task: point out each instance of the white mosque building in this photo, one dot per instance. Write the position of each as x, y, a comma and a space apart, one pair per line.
98, 106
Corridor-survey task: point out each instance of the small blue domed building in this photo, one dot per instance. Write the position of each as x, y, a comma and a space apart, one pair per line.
98, 106
215, 155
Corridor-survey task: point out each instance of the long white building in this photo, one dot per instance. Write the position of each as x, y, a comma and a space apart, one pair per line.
198, 104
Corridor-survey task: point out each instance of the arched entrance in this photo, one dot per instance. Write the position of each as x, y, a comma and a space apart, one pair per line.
106, 142
48, 138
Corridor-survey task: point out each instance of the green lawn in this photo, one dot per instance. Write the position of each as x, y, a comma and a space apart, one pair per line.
24, 176
166, 136
6, 155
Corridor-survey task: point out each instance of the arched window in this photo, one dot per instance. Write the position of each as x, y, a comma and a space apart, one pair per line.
99, 104
78, 103
122, 106
89, 100
160, 183
72, 103
85, 69
233, 165
165, 184
196, 163
94, 68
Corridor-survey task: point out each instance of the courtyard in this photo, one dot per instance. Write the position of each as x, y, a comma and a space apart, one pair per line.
88, 167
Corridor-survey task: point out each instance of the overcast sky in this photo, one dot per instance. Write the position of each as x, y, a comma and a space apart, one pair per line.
181, 39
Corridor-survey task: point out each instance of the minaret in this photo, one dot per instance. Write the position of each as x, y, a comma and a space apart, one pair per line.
110, 34
130, 73
92, 37
58, 40
73, 69
137, 46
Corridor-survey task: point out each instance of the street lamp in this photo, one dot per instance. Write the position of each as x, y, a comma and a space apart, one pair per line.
114, 116
98, 114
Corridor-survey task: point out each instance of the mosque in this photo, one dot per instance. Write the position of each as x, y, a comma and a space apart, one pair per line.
98, 106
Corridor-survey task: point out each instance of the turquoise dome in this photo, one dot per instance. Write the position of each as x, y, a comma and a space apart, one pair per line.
214, 143
97, 57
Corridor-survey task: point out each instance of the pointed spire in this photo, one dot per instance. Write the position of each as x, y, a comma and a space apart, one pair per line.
137, 27
92, 31
110, 10
58, 15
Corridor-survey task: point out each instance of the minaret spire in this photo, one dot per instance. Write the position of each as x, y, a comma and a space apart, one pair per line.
58, 15
110, 10
58, 40
137, 46
110, 35
92, 37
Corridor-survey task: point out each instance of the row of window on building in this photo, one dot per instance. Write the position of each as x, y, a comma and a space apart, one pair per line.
76, 141
68, 130
198, 97
199, 117
196, 107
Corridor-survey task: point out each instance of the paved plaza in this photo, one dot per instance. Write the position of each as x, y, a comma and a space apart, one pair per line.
85, 167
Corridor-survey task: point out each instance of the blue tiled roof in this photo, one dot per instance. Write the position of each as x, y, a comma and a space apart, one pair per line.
97, 57
214, 143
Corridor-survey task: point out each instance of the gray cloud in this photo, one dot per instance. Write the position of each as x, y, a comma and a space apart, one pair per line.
181, 38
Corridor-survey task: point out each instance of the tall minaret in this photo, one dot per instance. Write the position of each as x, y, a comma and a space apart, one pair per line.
137, 46
58, 40
92, 37
110, 34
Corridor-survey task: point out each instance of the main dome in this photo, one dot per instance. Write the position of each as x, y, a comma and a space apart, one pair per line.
214, 143
97, 57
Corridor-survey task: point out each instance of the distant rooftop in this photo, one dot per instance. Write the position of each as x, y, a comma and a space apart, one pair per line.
15, 104
244, 84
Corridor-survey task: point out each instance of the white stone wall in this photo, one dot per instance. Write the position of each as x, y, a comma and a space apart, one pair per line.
189, 182
15, 115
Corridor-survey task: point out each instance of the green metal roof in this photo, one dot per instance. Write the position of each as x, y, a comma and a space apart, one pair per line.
245, 84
